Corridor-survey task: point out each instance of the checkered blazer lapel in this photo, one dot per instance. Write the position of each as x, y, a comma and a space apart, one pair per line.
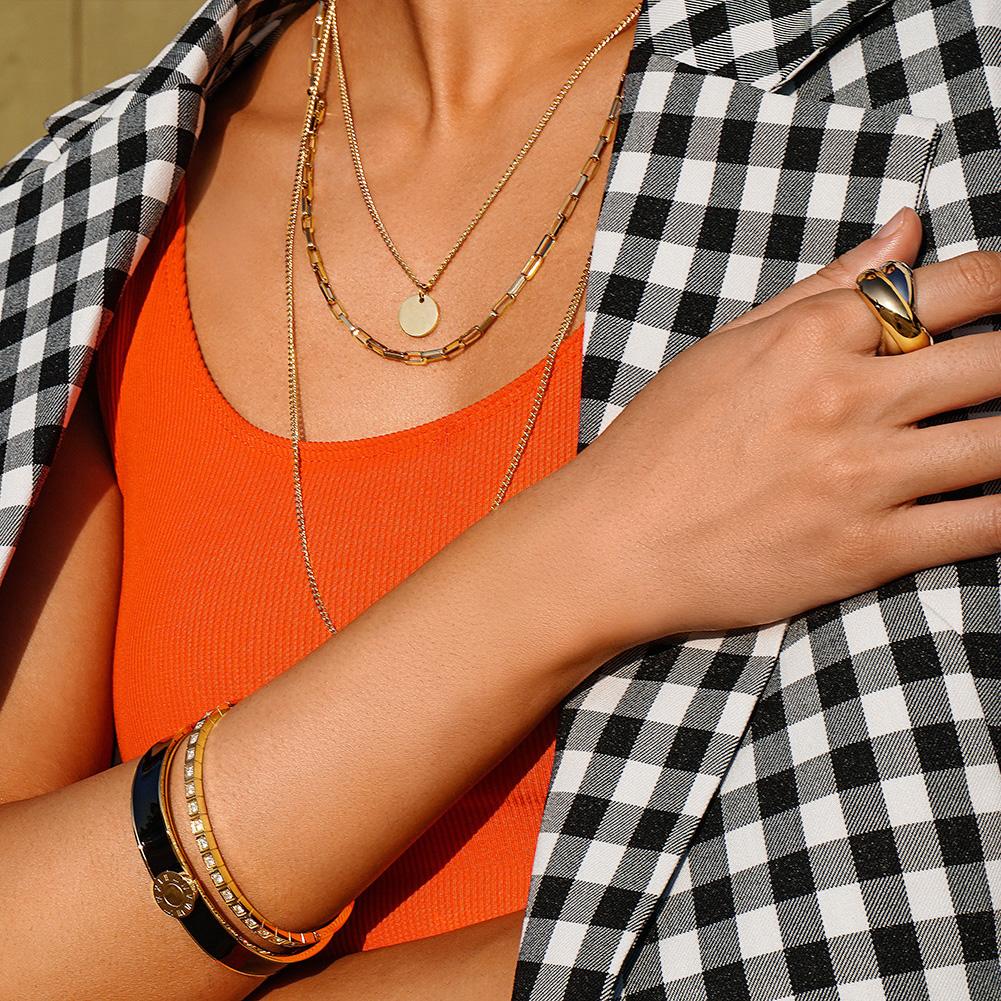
721, 193
765, 44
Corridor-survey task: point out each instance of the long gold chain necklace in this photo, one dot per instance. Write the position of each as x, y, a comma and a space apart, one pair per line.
419, 313
307, 145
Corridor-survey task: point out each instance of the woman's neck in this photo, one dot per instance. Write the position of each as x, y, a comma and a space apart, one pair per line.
445, 60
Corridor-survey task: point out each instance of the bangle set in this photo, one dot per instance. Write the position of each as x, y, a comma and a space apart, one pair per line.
226, 933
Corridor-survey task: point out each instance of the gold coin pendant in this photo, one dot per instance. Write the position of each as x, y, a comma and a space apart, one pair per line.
419, 315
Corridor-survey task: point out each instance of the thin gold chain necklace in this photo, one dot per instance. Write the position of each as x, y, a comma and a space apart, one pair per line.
307, 141
419, 313
529, 269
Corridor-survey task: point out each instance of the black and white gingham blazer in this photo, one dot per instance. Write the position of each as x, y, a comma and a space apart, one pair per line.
810, 810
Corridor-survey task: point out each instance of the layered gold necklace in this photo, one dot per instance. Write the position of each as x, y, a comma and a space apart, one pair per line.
419, 313
301, 213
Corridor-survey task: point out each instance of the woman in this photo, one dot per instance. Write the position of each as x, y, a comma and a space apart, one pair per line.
754, 792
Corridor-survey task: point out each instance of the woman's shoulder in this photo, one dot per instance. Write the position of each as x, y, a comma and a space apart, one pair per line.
205, 51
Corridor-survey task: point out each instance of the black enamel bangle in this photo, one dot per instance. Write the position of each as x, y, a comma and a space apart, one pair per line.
173, 889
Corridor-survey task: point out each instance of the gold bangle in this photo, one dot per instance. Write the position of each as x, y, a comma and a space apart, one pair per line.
306, 943
182, 856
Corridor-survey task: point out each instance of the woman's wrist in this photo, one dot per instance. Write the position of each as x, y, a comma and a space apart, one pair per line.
556, 552
608, 564
472, 963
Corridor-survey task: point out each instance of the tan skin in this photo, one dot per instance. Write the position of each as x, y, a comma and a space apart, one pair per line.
812, 501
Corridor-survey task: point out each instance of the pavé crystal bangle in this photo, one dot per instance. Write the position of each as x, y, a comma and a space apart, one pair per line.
277, 960
307, 943
173, 889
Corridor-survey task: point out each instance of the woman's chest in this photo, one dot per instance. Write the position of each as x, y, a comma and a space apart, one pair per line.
215, 597
428, 185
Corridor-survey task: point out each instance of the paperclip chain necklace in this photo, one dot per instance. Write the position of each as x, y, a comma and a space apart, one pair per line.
419, 313
528, 271
306, 141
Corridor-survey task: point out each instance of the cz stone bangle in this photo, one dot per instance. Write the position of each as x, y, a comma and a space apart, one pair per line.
272, 962
306, 943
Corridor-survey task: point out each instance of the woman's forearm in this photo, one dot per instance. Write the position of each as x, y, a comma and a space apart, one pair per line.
319, 780
371, 737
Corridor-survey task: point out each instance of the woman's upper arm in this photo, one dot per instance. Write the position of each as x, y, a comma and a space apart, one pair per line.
58, 605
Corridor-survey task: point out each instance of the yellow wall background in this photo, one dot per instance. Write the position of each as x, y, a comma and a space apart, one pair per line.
53, 51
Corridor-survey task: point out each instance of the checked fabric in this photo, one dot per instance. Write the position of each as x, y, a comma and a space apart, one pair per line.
850, 848
810, 810
77, 209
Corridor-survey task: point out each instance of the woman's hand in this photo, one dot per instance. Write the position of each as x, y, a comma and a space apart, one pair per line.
775, 466
475, 963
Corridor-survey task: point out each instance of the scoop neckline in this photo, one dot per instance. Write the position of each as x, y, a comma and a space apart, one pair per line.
501, 398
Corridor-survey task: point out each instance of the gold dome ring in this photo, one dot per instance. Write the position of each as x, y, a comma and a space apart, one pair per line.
889, 292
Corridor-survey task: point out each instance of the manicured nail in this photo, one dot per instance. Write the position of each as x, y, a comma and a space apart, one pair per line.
892, 224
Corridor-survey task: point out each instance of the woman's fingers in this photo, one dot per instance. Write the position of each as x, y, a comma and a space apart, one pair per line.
961, 372
947, 294
928, 535
898, 239
955, 373
959, 290
950, 456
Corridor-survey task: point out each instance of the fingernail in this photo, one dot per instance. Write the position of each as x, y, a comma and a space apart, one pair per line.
892, 224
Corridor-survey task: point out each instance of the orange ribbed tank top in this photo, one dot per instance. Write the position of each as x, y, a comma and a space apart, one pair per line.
214, 599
